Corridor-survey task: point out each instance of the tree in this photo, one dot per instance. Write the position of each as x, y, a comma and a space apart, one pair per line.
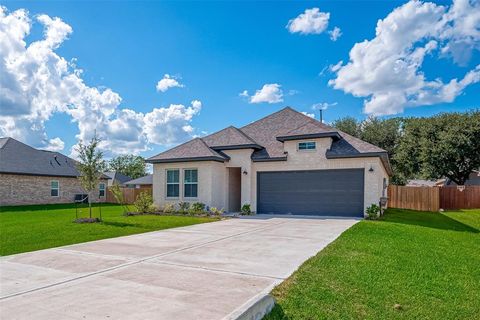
130, 165
348, 125
90, 166
118, 195
382, 133
446, 145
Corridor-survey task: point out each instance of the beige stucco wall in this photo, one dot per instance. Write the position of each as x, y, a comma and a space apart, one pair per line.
22, 190
213, 176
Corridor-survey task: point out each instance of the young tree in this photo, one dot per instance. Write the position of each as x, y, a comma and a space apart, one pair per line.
90, 166
118, 195
130, 165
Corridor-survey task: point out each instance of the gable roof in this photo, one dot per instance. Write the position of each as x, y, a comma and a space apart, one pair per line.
266, 137
148, 179
195, 149
118, 176
19, 158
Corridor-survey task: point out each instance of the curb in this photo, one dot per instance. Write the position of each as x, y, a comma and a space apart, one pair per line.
255, 309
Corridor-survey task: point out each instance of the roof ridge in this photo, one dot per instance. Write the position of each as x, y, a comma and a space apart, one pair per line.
245, 135
206, 145
268, 116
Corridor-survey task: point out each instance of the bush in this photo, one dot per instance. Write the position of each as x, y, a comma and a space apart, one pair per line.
197, 208
373, 212
216, 212
144, 203
183, 207
169, 208
246, 209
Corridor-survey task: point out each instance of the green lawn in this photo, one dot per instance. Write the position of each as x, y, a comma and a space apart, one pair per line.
428, 263
29, 228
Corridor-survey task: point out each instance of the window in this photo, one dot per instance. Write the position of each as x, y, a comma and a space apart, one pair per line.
101, 190
190, 183
306, 146
54, 188
173, 183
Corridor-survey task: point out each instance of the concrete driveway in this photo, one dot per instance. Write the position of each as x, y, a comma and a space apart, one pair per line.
206, 271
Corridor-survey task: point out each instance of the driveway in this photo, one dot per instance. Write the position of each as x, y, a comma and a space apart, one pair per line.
206, 271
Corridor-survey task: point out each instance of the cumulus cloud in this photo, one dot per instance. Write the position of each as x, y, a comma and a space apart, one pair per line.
36, 83
312, 21
311, 115
335, 33
168, 82
386, 70
323, 105
270, 93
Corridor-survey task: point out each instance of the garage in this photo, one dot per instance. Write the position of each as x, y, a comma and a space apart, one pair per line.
338, 192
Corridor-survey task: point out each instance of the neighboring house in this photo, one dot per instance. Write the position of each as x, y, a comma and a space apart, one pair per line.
425, 183
117, 178
32, 176
285, 163
142, 182
473, 179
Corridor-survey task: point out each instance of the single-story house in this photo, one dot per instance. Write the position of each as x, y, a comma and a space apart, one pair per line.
115, 177
285, 163
473, 179
33, 176
142, 182
425, 183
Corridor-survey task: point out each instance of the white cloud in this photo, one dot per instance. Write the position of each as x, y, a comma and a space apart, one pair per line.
323, 105
387, 69
335, 33
270, 93
311, 115
244, 93
168, 82
36, 83
312, 21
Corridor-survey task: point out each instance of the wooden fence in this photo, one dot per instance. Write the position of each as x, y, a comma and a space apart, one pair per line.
454, 198
129, 194
433, 198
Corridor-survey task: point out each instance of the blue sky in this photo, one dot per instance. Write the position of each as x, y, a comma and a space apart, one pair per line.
216, 50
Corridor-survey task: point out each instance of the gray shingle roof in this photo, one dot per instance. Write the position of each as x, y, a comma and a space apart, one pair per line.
195, 149
148, 179
19, 158
118, 176
267, 135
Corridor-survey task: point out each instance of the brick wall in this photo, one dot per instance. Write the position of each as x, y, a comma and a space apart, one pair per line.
23, 190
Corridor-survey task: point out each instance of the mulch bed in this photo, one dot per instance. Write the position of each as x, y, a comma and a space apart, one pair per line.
161, 213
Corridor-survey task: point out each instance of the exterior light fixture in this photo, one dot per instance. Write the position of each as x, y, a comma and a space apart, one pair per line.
371, 169
245, 172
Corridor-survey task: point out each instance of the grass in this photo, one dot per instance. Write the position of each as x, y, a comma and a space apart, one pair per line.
427, 263
29, 228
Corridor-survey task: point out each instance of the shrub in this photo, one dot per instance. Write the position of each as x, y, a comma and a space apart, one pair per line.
246, 209
216, 212
183, 207
373, 212
197, 208
144, 203
169, 208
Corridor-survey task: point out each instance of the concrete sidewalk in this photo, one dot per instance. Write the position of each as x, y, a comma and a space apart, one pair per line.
206, 271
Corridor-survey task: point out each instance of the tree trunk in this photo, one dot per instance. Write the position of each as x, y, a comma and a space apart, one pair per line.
90, 205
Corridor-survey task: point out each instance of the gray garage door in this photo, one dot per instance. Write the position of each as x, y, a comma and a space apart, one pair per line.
312, 192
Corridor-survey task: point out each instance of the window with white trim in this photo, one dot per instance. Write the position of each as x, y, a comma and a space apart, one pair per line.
190, 183
54, 188
311, 145
173, 183
101, 190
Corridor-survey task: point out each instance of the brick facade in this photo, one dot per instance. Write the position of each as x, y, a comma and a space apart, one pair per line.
18, 189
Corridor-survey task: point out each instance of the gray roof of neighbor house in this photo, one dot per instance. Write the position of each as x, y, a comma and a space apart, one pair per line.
148, 179
115, 175
19, 158
266, 137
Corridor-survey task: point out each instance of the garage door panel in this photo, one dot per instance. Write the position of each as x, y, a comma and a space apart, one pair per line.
313, 192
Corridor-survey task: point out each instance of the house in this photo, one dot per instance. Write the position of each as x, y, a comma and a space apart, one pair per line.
425, 183
33, 176
142, 182
473, 179
115, 177
285, 163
